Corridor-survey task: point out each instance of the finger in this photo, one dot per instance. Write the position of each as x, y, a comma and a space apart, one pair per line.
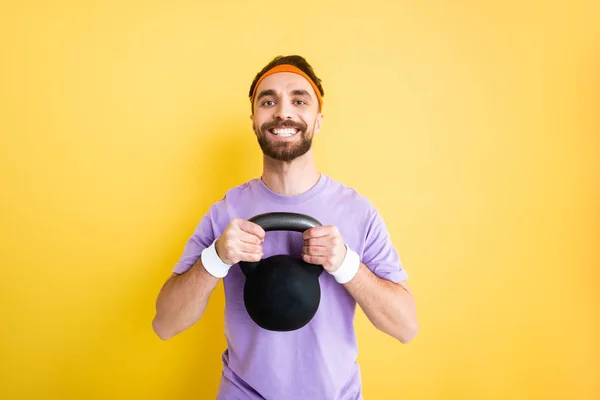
319, 241
317, 231
249, 238
249, 248
318, 260
251, 257
251, 227
329, 241
315, 250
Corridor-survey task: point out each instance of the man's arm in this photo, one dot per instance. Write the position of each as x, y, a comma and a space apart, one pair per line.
389, 306
182, 300
184, 297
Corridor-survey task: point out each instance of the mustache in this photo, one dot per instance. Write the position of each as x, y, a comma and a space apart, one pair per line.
283, 124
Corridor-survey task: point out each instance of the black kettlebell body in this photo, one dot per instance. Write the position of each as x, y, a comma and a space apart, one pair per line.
282, 292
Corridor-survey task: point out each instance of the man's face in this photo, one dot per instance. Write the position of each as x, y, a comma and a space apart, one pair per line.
286, 116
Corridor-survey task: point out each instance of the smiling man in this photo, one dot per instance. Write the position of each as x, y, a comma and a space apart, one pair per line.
318, 360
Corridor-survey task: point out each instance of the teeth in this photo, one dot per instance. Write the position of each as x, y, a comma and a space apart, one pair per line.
284, 132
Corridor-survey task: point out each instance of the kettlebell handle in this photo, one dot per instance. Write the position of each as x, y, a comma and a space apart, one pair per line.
278, 221
284, 221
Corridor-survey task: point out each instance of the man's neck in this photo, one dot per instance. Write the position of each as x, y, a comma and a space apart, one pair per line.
290, 178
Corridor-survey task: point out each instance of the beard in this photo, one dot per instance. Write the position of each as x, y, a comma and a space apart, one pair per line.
283, 150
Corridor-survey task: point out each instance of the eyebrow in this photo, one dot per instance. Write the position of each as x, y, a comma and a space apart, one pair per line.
301, 92
271, 92
263, 93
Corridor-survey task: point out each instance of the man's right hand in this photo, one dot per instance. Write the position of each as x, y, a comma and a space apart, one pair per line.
241, 241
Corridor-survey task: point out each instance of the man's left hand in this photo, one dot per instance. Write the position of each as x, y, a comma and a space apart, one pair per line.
323, 245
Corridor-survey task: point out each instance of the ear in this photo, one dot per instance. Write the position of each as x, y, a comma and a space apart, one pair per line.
252, 119
318, 123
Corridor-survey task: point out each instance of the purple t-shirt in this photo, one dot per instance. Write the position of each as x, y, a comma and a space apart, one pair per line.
317, 361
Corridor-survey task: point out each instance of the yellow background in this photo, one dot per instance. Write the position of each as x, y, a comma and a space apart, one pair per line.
473, 126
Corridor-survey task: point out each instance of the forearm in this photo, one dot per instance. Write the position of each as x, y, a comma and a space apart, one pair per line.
390, 307
182, 301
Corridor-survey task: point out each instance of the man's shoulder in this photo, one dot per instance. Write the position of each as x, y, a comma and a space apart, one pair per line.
234, 193
346, 194
240, 189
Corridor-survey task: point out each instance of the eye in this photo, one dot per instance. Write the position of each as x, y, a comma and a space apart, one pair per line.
300, 102
265, 103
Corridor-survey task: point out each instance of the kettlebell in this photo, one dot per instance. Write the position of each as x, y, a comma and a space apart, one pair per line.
282, 292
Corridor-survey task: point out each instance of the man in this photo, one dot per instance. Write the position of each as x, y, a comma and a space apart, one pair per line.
317, 361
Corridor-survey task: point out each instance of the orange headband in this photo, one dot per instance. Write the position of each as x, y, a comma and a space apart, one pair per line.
288, 68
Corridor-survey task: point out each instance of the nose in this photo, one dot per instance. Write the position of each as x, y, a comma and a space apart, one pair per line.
283, 110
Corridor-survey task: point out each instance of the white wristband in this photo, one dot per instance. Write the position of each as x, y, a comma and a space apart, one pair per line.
212, 263
349, 267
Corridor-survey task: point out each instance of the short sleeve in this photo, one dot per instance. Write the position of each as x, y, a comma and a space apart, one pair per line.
202, 237
379, 254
